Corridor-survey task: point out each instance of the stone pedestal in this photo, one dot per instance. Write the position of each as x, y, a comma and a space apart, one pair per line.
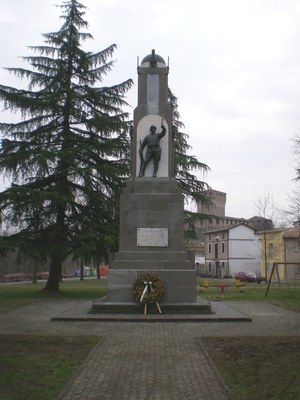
151, 239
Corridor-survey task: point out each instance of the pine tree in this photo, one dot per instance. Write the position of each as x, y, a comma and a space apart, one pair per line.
68, 156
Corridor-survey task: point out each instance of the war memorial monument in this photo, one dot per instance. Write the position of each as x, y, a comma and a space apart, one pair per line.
151, 236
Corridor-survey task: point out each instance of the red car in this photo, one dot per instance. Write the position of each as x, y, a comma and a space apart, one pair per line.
246, 276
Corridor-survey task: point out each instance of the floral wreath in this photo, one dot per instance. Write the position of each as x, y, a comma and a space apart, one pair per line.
148, 288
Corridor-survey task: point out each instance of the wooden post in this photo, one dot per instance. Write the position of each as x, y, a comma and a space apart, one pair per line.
269, 283
278, 277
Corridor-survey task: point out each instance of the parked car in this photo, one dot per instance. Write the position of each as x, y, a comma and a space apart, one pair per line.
246, 276
251, 277
241, 276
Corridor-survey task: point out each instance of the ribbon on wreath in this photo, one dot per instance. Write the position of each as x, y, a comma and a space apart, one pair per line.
148, 288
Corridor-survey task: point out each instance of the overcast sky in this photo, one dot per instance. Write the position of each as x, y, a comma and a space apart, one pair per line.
234, 67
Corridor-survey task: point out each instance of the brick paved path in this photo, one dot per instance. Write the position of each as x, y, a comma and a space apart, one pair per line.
157, 361
146, 365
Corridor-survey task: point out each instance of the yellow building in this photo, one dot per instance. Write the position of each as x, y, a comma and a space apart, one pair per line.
280, 246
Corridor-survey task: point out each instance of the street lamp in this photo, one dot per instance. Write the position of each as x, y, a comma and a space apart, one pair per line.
217, 238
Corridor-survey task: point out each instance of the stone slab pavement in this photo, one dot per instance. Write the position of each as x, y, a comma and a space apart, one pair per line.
157, 361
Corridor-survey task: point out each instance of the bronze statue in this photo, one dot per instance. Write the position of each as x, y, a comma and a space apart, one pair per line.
153, 149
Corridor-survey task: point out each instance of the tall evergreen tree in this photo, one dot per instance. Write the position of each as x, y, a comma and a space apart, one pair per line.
68, 156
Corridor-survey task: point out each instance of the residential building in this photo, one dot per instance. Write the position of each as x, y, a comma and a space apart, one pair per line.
291, 237
230, 250
281, 246
217, 220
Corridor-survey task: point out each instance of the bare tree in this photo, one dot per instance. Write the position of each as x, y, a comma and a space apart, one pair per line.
292, 212
265, 206
296, 142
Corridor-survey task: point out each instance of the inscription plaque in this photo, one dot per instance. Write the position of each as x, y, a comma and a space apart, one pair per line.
152, 237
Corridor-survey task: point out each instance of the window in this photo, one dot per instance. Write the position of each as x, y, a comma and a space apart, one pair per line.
223, 247
271, 250
209, 248
209, 267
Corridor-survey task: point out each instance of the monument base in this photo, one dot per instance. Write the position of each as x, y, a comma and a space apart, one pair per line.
102, 306
180, 285
151, 240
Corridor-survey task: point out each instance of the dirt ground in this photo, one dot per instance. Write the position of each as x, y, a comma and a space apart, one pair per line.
258, 368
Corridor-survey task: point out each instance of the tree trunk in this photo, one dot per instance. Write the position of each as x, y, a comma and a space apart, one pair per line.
52, 284
35, 271
56, 259
97, 266
81, 269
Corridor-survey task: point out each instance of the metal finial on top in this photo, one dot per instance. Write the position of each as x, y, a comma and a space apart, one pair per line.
153, 61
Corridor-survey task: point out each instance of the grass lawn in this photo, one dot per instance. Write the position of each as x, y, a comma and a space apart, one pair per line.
38, 367
14, 295
288, 298
258, 368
